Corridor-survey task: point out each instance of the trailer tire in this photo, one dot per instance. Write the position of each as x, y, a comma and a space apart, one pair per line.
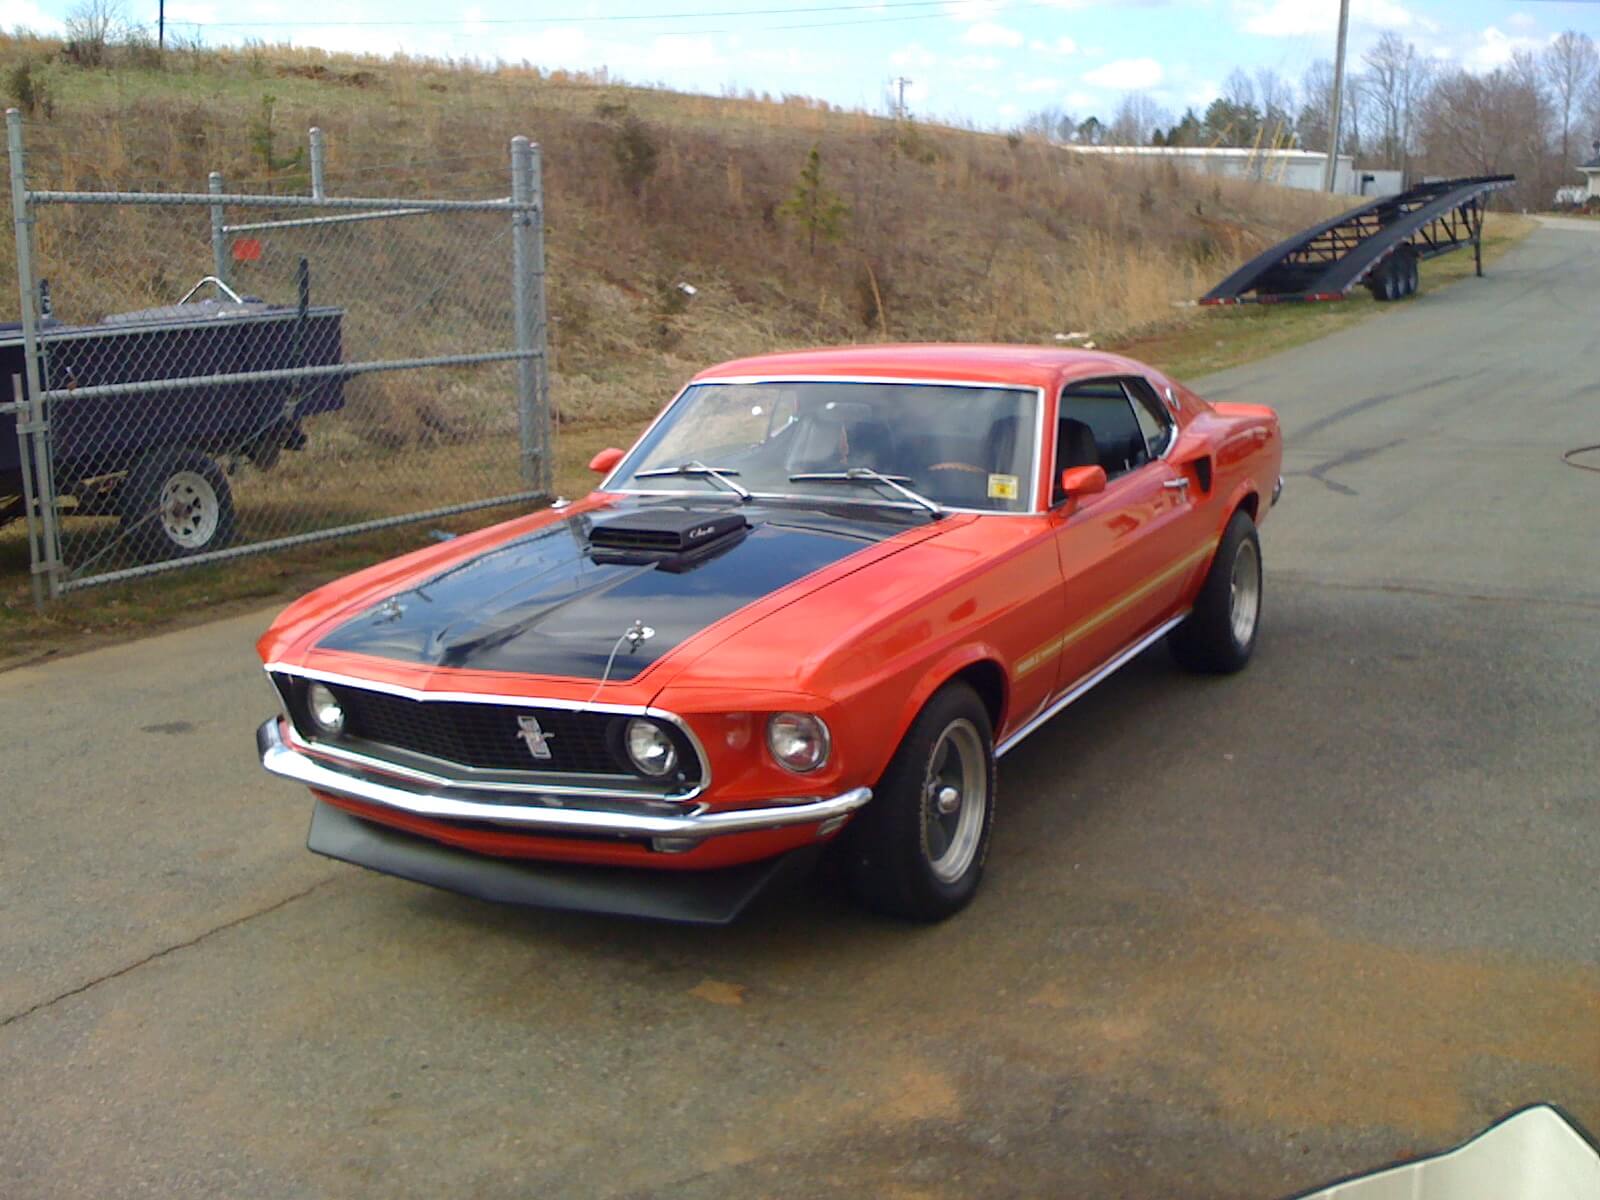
1413, 274
176, 503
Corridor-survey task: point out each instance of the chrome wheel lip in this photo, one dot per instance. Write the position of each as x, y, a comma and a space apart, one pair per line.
1244, 593
189, 509
958, 761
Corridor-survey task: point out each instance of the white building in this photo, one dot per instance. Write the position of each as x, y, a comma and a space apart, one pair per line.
1302, 169
1591, 175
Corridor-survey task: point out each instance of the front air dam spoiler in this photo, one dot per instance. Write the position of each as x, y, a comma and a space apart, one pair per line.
693, 897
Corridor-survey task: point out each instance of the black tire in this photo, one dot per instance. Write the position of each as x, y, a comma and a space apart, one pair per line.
1217, 638
1384, 282
175, 503
1413, 274
906, 858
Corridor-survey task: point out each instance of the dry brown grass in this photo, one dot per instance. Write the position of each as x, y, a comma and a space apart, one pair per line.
951, 235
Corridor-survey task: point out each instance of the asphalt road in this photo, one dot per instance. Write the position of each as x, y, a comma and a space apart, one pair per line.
1238, 936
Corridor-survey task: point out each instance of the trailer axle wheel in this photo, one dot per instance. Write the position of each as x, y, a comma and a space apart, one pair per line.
176, 503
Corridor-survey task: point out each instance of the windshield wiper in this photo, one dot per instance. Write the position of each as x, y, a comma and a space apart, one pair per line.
868, 475
698, 469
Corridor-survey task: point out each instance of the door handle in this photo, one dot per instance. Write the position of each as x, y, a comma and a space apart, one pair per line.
1176, 485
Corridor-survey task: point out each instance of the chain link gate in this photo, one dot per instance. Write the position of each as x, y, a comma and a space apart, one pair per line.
199, 376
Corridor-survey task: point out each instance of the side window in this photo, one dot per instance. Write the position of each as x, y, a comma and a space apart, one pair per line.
1101, 407
1154, 419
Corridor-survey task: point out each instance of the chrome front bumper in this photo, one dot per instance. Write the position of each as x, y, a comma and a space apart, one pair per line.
559, 816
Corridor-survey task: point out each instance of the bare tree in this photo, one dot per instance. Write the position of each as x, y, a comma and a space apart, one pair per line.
1316, 106
91, 28
1395, 81
1238, 91
1052, 123
1490, 124
1275, 96
1572, 66
1137, 117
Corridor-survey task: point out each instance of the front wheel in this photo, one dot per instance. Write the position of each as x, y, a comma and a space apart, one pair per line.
1219, 634
917, 850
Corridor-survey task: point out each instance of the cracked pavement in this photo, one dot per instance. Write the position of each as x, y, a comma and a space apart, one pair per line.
1239, 936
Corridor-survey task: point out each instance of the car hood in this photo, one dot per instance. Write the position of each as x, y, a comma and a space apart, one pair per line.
562, 600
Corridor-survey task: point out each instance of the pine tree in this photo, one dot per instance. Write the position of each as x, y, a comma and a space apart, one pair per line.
818, 209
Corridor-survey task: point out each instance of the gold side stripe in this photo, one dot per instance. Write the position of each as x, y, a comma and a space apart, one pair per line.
1040, 655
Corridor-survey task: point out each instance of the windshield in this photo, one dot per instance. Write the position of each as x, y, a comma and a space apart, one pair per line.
961, 446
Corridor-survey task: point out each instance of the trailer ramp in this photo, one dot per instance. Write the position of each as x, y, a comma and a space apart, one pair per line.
1378, 243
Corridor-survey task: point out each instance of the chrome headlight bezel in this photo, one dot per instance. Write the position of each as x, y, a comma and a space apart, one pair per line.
640, 734
786, 728
323, 711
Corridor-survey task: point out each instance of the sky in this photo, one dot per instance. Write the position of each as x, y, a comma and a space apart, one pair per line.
988, 62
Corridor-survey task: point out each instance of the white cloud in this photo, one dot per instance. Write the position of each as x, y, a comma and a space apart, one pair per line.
976, 62
1522, 20
25, 14
1039, 85
1061, 45
1127, 74
1494, 49
988, 33
914, 55
1303, 18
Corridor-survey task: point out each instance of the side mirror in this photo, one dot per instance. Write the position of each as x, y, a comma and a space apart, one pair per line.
605, 461
1083, 481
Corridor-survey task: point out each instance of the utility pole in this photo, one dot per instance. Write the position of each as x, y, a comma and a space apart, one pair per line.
161, 25
901, 83
1332, 168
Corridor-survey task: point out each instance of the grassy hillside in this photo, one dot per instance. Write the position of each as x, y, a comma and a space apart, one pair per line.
947, 234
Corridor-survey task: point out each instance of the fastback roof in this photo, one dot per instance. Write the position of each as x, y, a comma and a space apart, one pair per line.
1031, 366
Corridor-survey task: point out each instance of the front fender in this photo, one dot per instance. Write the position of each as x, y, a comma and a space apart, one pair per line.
938, 673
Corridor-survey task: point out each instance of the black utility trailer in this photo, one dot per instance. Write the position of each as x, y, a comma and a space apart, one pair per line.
1379, 244
155, 457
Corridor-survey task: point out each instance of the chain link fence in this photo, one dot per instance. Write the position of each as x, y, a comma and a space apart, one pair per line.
198, 376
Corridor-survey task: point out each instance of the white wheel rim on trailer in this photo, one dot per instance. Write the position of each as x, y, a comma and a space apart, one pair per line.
189, 509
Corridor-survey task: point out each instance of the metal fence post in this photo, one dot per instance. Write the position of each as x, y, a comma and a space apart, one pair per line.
48, 560
30, 515
527, 268
219, 236
540, 320
318, 164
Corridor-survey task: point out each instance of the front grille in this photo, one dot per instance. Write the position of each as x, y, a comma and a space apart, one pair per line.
487, 736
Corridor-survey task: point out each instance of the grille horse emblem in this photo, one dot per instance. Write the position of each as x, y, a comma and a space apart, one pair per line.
535, 738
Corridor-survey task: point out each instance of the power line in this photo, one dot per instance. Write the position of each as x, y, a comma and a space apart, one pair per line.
632, 18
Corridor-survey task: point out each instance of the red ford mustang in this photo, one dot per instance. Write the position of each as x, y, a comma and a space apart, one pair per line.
817, 600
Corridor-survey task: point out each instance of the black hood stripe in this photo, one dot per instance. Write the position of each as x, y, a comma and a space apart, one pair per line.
544, 605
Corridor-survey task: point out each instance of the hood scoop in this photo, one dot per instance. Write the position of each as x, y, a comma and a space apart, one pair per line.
671, 539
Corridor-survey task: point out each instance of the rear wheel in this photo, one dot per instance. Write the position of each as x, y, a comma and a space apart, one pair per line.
1219, 634
175, 503
917, 850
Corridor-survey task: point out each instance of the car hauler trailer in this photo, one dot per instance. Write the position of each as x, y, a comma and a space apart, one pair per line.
1379, 244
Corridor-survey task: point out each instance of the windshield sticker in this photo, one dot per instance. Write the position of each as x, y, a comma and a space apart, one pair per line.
1002, 487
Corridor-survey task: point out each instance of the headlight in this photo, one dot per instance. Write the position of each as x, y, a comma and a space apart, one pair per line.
326, 713
649, 747
799, 741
